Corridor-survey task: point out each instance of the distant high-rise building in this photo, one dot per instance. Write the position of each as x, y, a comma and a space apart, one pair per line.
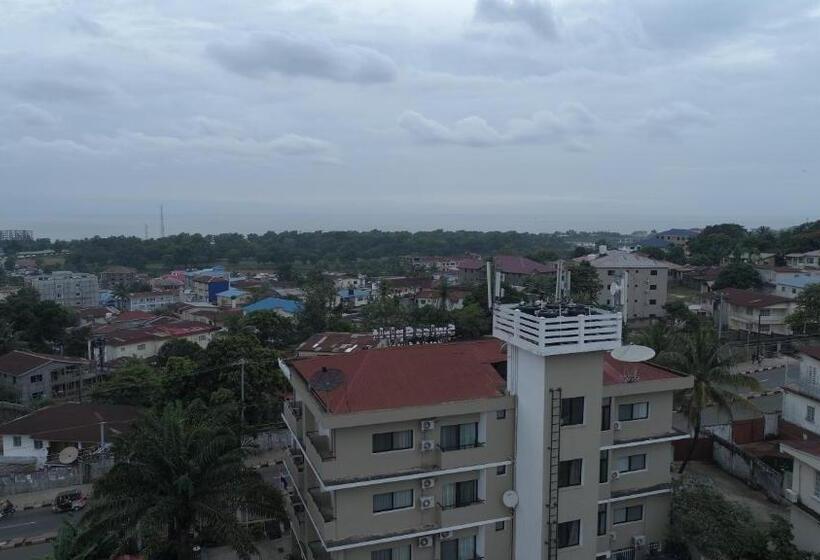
16, 235
73, 289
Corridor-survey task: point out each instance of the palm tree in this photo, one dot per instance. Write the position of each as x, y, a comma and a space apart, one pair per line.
700, 355
121, 294
180, 475
659, 336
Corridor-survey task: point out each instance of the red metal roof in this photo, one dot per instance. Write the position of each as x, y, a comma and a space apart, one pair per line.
73, 422
811, 351
510, 264
617, 372
423, 375
18, 362
750, 298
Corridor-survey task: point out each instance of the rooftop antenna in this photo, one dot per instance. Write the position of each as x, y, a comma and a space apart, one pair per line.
146, 231
161, 221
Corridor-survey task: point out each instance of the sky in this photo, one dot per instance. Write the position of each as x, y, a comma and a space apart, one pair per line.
533, 115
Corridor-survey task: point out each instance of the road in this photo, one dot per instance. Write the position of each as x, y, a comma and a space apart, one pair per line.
30, 523
33, 552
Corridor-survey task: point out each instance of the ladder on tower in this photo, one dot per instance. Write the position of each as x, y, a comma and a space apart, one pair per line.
554, 460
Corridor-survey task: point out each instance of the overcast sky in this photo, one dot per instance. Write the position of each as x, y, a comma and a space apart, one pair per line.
489, 114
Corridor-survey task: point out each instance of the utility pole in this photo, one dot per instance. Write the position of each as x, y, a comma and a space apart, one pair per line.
242, 393
102, 434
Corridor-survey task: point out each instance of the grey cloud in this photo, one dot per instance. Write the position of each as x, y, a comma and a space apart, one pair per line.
293, 55
537, 15
29, 115
674, 120
87, 26
569, 126
62, 89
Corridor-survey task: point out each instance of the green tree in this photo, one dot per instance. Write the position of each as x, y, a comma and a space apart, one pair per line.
679, 315
471, 322
180, 480
319, 298
75, 542
134, 383
700, 355
179, 348
121, 294
716, 242
806, 317
28, 323
584, 283
658, 336
738, 275
272, 329
676, 254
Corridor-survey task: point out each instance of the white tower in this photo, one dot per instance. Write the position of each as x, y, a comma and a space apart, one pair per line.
554, 368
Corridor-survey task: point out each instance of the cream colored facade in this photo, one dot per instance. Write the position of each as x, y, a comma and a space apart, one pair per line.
334, 475
805, 495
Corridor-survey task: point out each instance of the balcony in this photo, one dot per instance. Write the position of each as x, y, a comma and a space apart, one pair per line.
324, 503
317, 551
292, 414
321, 446
295, 463
554, 330
463, 514
473, 454
319, 507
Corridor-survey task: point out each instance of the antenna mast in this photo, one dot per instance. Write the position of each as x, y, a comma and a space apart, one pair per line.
161, 221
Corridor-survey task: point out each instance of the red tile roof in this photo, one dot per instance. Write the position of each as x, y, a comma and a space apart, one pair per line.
811, 351
405, 376
750, 298
133, 316
18, 362
73, 422
617, 372
510, 264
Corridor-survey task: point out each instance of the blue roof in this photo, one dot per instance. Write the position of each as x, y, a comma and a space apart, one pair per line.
799, 281
232, 292
274, 304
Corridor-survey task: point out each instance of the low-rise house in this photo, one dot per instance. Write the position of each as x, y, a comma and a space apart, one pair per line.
144, 341
757, 259
346, 282
809, 259
36, 376
95, 315
431, 297
190, 276
513, 269
285, 307
152, 301
332, 343
233, 297
167, 282
352, 297
403, 286
42, 434
755, 312
792, 288
113, 276
679, 237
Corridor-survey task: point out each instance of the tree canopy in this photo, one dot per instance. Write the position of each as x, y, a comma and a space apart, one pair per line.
806, 318
738, 275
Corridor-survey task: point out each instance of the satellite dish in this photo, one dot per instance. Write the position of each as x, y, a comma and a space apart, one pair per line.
510, 498
633, 353
614, 288
68, 455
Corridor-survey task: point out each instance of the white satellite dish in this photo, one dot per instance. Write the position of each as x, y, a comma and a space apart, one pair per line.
633, 353
510, 498
68, 455
614, 288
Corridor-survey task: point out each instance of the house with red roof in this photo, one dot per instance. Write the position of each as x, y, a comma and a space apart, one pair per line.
756, 312
144, 339
513, 269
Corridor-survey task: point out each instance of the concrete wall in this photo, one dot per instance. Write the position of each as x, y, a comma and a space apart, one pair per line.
26, 449
794, 411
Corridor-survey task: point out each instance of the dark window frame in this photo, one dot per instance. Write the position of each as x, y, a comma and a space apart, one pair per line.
567, 530
393, 445
629, 514
631, 408
570, 473
572, 411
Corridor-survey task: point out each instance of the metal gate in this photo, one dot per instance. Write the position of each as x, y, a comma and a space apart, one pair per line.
624, 554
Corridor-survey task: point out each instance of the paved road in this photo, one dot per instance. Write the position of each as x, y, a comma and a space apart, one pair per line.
31, 522
34, 552
771, 379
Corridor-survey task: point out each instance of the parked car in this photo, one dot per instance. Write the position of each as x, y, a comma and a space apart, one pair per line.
70, 500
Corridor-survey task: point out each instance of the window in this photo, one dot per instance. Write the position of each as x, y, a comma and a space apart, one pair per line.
36, 378
603, 467
18, 441
459, 436
501, 470
606, 413
610, 273
632, 463
392, 441
653, 273
653, 301
765, 328
569, 473
653, 286
765, 312
499, 525
500, 414
140, 346
459, 549
392, 500
37, 395
38, 444
633, 411
810, 414
602, 519
459, 494
397, 553
817, 483
627, 514
572, 411
569, 533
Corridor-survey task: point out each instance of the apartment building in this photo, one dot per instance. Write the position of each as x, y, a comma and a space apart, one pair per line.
113, 276
801, 403
36, 377
642, 283
593, 436
16, 235
401, 453
756, 312
72, 289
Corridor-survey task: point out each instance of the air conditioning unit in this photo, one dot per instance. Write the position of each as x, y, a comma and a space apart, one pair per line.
639, 540
614, 475
613, 535
617, 426
791, 495
425, 542
446, 535
427, 502
428, 425
427, 483
428, 445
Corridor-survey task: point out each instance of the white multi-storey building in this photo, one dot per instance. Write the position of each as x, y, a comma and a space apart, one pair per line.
73, 289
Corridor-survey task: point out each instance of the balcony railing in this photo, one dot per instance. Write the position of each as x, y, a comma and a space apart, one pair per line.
295, 408
459, 505
318, 551
448, 448
324, 503
322, 446
557, 330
